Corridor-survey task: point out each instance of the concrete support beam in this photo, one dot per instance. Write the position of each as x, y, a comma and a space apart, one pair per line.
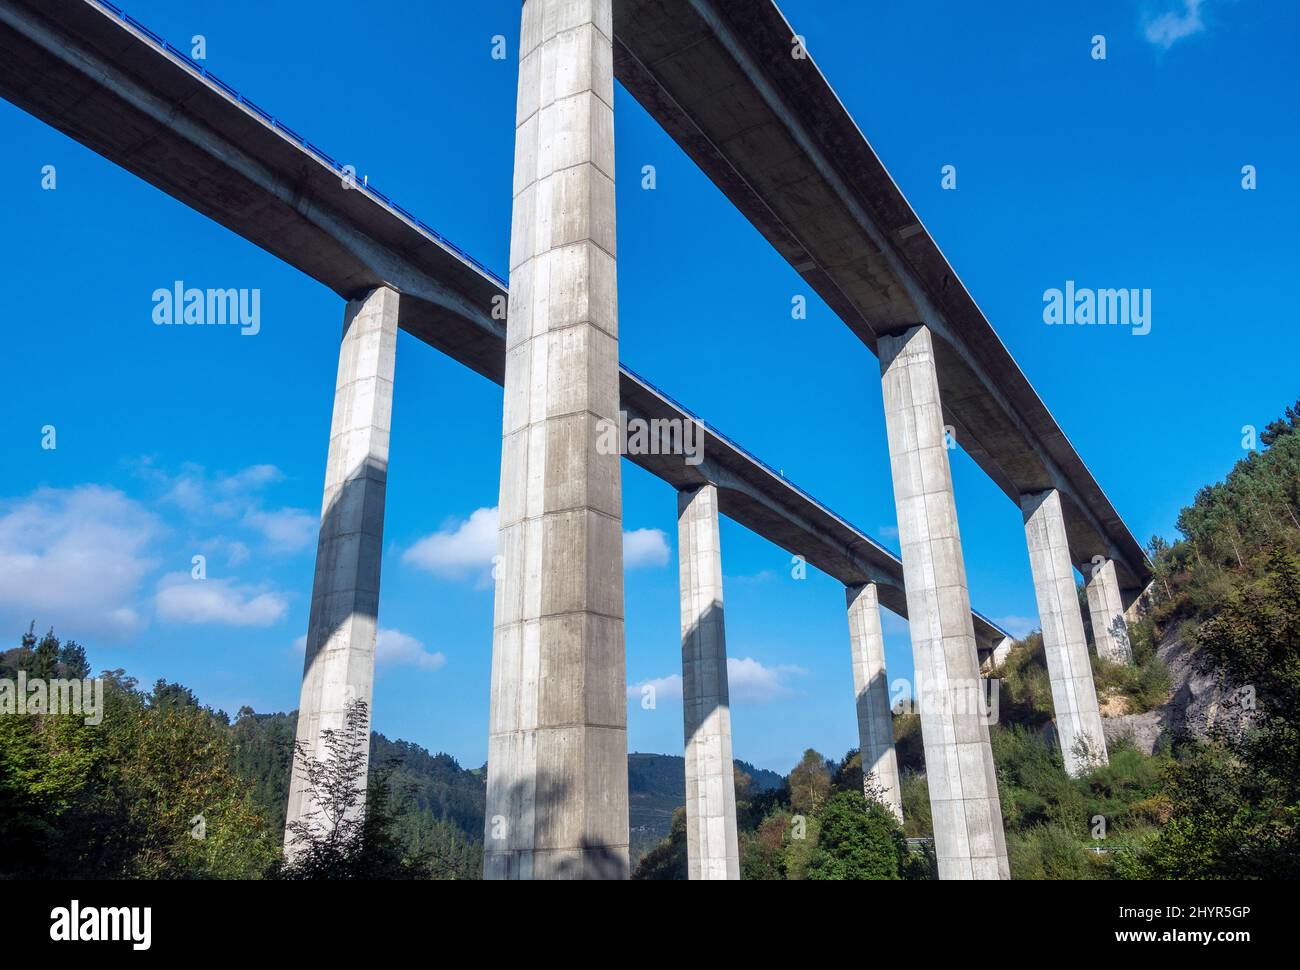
1136, 602
712, 850
1106, 607
993, 653
1074, 698
871, 687
340, 663
967, 815
557, 746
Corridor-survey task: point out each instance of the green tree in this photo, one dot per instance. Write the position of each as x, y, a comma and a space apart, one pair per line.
149, 792
667, 860
857, 839
1236, 797
810, 784
348, 833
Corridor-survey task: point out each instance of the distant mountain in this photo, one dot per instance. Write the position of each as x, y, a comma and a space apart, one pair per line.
656, 787
434, 787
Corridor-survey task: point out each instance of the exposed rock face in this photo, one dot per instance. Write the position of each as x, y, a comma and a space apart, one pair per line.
1197, 703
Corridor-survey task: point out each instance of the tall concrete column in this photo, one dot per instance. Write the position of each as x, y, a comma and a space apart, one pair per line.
557, 746
1106, 607
871, 687
1074, 698
712, 851
997, 655
967, 816
340, 664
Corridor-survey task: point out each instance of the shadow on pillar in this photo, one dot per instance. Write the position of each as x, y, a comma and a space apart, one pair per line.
704, 714
588, 861
346, 516
879, 681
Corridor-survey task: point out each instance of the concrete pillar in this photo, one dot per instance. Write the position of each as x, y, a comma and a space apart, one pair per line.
712, 850
1136, 602
340, 663
557, 746
1000, 651
1106, 607
967, 815
1074, 699
871, 687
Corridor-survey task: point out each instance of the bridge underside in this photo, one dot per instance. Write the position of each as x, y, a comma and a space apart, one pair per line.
723, 79
103, 83
730, 83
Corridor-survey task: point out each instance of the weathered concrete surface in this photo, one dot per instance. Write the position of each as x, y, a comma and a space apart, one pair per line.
712, 850
727, 82
871, 688
340, 663
557, 746
968, 836
1106, 608
1074, 698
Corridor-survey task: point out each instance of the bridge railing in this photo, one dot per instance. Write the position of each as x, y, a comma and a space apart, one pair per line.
362, 185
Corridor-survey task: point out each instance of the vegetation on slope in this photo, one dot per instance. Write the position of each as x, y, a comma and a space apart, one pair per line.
1220, 802
150, 793
167, 788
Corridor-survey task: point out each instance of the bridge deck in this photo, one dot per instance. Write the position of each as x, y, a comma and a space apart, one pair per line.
106, 81
766, 126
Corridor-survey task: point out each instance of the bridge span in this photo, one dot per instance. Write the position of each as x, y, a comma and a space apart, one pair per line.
725, 78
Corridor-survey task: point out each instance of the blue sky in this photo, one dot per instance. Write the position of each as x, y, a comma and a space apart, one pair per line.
173, 442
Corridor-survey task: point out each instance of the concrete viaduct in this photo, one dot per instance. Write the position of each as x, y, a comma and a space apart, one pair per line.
732, 83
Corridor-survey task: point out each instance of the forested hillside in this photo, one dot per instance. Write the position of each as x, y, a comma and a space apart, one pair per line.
1203, 730
167, 788
656, 788
61, 785
1203, 779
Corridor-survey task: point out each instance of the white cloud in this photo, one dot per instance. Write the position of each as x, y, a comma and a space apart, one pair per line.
238, 554
1172, 26
249, 479
747, 680
393, 648
467, 546
458, 549
286, 530
186, 492
644, 547
193, 489
1018, 626
237, 497
663, 689
75, 558
181, 599
751, 579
